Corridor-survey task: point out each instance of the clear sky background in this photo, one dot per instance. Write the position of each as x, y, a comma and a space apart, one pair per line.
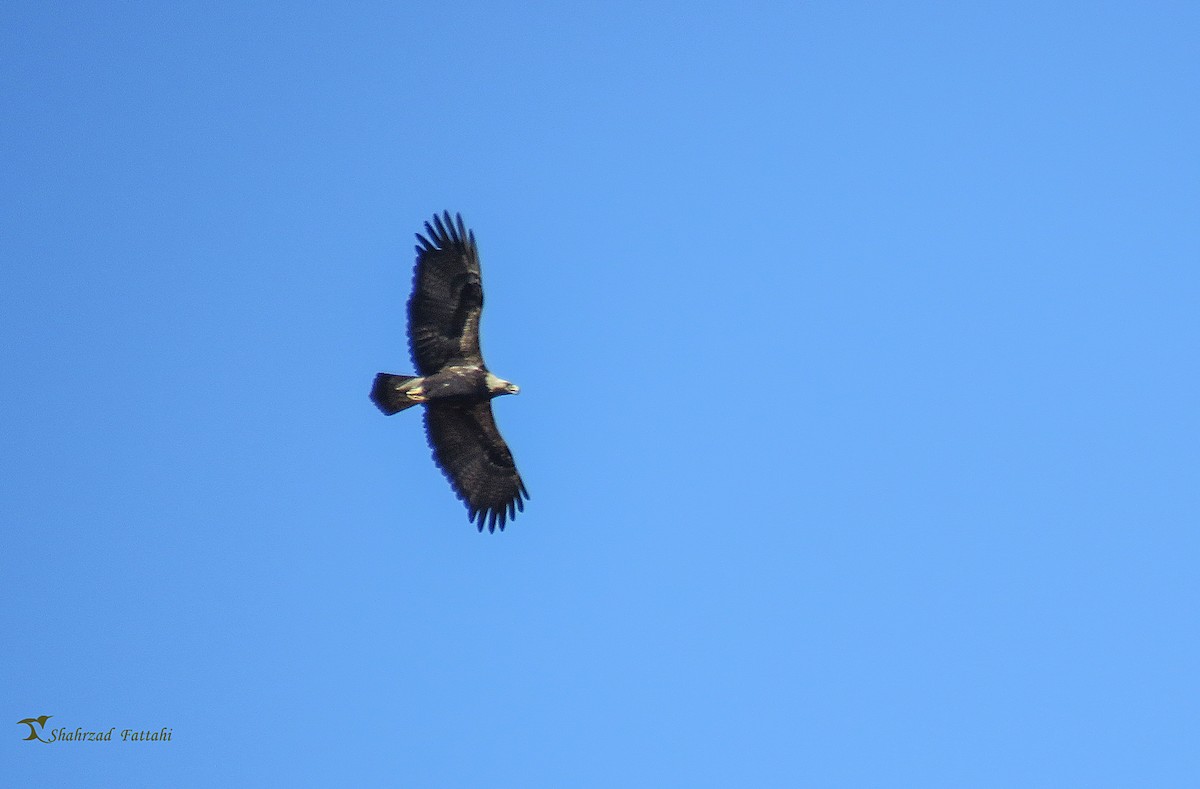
858, 354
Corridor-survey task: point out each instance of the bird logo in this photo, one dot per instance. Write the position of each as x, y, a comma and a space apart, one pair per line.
40, 721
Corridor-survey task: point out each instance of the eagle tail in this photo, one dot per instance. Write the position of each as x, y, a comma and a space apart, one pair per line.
390, 392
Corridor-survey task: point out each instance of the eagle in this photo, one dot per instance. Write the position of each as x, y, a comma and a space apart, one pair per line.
454, 384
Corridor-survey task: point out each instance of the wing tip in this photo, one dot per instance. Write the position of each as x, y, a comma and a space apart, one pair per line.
495, 518
444, 231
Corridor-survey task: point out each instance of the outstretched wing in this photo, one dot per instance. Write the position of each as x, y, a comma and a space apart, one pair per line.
447, 297
473, 456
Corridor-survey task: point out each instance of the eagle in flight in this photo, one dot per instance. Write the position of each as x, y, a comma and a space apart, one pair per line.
454, 384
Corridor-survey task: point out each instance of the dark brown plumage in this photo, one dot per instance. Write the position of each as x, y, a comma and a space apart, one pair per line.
454, 384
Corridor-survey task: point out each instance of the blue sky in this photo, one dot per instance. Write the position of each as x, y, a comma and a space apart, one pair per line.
857, 345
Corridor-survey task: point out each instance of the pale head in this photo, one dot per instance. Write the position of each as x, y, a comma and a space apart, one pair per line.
498, 386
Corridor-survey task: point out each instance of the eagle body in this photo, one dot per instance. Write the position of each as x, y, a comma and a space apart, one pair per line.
454, 384
463, 384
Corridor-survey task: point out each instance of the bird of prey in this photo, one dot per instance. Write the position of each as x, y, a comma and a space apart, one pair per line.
454, 384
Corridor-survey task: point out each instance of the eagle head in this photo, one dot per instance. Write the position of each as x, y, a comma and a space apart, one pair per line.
498, 386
